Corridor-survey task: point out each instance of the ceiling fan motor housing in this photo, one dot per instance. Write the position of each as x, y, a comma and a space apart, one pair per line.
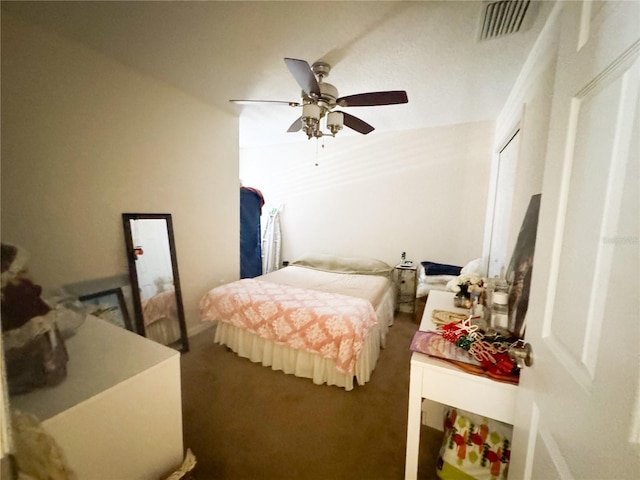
328, 95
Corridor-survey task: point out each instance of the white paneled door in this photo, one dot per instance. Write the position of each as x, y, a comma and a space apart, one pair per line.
578, 411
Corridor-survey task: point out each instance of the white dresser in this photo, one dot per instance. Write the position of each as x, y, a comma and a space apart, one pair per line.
118, 414
439, 381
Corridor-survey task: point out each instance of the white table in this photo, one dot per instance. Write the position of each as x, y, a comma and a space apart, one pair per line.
439, 381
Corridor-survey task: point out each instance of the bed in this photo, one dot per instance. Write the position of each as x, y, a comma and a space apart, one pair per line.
322, 317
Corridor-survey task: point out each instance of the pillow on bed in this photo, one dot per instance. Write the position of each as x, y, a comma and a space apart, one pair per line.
433, 268
332, 263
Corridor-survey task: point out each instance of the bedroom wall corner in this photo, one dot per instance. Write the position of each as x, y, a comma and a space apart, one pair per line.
422, 191
84, 139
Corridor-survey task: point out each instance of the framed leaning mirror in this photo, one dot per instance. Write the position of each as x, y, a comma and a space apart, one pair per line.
155, 280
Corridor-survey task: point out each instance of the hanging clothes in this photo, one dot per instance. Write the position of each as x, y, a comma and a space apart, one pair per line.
271, 243
251, 202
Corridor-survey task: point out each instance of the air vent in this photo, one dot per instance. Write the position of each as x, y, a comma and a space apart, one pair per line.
503, 18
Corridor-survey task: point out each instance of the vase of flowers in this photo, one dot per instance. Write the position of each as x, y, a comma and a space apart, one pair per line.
464, 287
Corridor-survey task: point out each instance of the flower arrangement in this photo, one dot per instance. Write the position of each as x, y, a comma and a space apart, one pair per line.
464, 286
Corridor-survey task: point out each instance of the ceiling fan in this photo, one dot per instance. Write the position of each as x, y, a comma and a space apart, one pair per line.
319, 100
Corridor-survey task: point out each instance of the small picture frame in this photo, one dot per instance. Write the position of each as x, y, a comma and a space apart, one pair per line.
108, 305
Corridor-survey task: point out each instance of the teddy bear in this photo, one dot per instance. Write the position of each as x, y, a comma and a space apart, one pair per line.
35, 353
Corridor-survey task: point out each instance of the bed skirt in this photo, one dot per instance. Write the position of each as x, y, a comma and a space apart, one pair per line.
310, 365
164, 331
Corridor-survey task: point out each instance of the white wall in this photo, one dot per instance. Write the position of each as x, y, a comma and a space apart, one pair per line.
422, 191
528, 108
85, 139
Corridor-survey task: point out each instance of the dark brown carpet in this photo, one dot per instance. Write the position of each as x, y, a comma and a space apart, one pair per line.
246, 421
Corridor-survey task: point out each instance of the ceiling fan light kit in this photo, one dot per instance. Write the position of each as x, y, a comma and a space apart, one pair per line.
311, 115
335, 121
319, 99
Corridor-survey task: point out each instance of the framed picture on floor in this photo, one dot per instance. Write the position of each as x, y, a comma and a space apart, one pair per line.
108, 305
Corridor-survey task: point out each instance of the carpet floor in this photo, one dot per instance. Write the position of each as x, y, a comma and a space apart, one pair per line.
246, 421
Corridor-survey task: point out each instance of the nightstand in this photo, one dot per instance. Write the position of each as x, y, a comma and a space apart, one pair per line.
406, 282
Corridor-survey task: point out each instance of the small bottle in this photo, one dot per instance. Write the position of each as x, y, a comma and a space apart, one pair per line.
487, 298
500, 305
477, 312
500, 311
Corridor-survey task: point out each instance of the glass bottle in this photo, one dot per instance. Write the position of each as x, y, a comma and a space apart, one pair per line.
487, 297
500, 305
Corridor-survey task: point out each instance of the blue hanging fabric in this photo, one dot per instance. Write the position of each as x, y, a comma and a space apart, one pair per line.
271, 242
251, 202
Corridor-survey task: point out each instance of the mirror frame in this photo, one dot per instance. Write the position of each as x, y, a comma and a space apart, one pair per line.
133, 274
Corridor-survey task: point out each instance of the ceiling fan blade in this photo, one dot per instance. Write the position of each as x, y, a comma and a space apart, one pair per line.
391, 97
356, 124
301, 71
277, 102
295, 126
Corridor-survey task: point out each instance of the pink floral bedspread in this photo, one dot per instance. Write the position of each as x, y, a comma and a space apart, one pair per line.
331, 325
162, 305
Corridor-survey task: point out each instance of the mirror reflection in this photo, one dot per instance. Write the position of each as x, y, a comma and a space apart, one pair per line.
153, 268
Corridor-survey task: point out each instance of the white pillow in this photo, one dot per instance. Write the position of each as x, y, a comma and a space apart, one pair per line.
474, 267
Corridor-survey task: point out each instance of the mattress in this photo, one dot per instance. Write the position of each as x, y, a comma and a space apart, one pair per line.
368, 287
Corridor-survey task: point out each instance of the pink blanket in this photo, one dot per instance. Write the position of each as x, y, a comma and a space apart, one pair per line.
331, 325
160, 306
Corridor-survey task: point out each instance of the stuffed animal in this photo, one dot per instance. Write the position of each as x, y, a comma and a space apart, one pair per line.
35, 353
20, 296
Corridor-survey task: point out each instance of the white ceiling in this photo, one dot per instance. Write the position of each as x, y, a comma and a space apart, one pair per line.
218, 51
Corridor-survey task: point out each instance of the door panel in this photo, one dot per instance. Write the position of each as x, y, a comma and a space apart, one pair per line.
578, 401
593, 175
